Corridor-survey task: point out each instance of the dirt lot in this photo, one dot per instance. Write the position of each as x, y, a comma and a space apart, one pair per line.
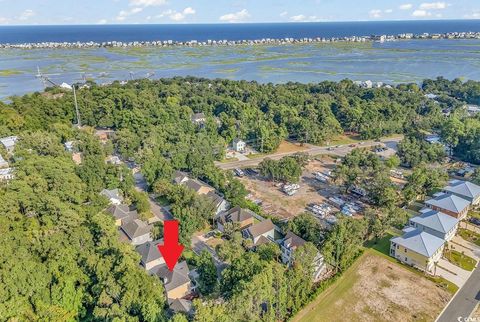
275, 202
287, 146
376, 289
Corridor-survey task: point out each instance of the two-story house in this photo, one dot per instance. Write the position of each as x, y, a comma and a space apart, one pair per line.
151, 256
449, 204
239, 217
464, 189
418, 249
436, 223
260, 233
137, 232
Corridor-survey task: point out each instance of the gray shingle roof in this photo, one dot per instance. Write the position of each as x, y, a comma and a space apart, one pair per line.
260, 228
175, 278
419, 242
449, 202
136, 228
435, 220
181, 305
122, 212
215, 198
111, 194
149, 251
463, 188
235, 215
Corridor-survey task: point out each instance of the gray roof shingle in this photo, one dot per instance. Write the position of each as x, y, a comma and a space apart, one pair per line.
419, 242
175, 278
136, 228
449, 202
149, 251
435, 220
235, 215
463, 188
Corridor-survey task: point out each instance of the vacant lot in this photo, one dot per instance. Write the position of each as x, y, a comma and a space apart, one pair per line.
376, 289
277, 203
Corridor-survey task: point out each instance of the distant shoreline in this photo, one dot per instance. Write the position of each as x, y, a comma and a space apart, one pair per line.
263, 41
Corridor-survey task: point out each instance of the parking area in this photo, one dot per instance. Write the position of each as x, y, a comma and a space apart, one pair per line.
315, 193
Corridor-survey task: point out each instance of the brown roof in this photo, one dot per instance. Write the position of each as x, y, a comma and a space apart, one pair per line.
261, 228
293, 241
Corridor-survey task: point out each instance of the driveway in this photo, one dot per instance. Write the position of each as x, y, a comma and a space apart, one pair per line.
468, 248
452, 273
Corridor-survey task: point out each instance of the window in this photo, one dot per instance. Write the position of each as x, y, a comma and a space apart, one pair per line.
405, 250
406, 258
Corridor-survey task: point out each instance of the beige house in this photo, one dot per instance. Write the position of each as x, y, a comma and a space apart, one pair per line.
241, 218
418, 249
151, 256
260, 233
177, 283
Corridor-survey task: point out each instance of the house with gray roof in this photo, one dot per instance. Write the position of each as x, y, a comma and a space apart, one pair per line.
177, 283
151, 256
181, 306
418, 249
9, 143
7, 174
219, 204
436, 223
260, 233
239, 217
464, 189
449, 204
137, 232
113, 195
122, 214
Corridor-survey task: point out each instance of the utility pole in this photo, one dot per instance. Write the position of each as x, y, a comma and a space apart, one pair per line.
79, 123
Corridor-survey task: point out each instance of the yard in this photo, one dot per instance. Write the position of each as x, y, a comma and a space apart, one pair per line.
470, 236
459, 259
375, 288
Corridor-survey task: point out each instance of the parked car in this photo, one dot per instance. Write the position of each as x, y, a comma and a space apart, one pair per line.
474, 221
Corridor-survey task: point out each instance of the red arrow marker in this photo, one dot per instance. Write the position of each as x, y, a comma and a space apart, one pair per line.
171, 249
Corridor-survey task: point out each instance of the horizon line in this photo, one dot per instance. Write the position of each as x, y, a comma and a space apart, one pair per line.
241, 23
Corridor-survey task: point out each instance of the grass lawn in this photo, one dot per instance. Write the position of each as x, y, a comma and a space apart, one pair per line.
475, 214
227, 160
470, 236
462, 261
377, 289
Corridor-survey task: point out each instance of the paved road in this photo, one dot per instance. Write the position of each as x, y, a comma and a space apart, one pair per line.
464, 302
159, 212
341, 151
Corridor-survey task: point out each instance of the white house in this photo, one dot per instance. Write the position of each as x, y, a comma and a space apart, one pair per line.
239, 145
6, 174
260, 233
114, 196
9, 143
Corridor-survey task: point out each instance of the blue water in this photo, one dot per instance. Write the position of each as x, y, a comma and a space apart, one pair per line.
203, 32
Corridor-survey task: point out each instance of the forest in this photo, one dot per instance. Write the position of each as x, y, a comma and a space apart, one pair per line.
61, 258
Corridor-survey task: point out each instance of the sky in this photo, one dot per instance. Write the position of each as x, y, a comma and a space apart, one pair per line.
53, 12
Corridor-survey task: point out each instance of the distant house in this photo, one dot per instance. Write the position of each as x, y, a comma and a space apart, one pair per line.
219, 204
239, 145
435, 223
418, 249
177, 283
260, 233
137, 232
433, 138
199, 119
6, 174
69, 146
473, 109
3, 163
151, 256
122, 214
114, 196
200, 187
104, 134
449, 204
113, 159
9, 143
288, 246
241, 218
465, 190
